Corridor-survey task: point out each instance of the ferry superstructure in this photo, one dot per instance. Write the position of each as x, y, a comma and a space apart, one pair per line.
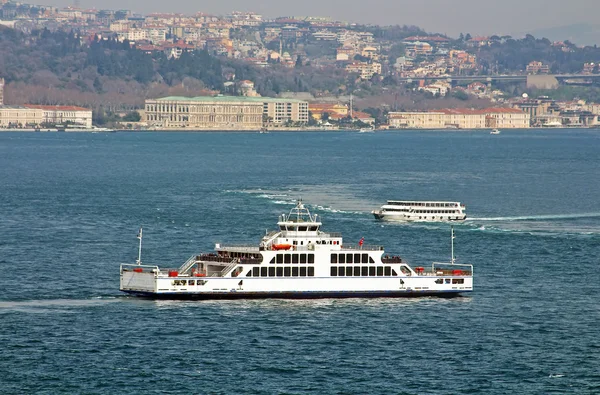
298, 260
421, 211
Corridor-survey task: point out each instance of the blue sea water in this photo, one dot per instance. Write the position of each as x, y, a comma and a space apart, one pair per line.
71, 205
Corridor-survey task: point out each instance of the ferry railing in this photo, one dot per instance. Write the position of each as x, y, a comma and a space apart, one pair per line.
213, 258
242, 247
129, 267
183, 269
363, 247
451, 269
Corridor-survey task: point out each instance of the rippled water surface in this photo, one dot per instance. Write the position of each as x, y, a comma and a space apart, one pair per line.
71, 205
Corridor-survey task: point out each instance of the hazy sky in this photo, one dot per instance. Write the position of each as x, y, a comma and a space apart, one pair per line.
483, 17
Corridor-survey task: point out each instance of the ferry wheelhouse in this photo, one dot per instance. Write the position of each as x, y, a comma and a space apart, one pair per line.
421, 211
298, 260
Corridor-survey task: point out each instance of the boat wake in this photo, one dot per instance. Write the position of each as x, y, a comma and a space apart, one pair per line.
41, 305
336, 201
537, 217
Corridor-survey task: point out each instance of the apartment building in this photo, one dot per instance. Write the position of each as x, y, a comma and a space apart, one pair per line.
281, 111
365, 70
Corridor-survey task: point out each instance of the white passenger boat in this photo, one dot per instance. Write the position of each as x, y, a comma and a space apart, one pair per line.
421, 211
495, 131
298, 260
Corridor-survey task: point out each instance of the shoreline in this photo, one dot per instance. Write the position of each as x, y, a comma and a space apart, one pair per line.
289, 130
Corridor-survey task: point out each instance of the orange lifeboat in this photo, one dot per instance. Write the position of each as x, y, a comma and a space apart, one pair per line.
278, 247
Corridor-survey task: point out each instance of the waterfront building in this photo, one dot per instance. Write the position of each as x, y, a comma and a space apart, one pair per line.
281, 111
223, 112
63, 115
20, 117
506, 118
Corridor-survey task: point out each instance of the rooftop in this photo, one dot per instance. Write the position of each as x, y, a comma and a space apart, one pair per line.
245, 99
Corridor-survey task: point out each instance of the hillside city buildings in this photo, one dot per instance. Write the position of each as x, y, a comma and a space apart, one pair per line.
423, 62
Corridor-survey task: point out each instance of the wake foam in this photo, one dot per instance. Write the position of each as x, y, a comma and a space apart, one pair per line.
537, 217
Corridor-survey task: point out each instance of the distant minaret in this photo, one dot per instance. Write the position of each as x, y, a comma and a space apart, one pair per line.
1, 91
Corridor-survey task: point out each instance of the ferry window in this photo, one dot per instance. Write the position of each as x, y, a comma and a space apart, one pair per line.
303, 271
371, 270
349, 258
357, 271
380, 270
356, 258
287, 271
333, 258
349, 271
387, 270
281, 227
279, 271
311, 271
294, 258
394, 273
439, 281
365, 258
311, 258
256, 271
342, 258
287, 258
364, 271
302, 258
272, 260
342, 271
371, 260
313, 228
447, 281
279, 258
192, 282
271, 272
333, 271
294, 272
302, 228
263, 272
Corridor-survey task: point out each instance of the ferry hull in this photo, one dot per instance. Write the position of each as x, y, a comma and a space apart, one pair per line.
401, 218
297, 295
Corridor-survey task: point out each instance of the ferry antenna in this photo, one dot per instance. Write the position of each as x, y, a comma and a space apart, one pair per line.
139, 236
452, 243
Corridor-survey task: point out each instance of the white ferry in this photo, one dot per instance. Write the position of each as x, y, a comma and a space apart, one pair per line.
417, 211
298, 260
